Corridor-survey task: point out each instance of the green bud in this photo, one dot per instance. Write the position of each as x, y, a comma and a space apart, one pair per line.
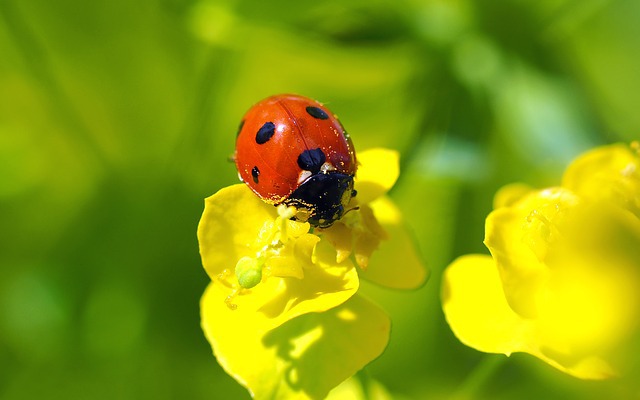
249, 272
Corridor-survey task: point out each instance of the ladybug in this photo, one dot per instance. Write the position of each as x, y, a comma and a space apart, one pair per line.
292, 150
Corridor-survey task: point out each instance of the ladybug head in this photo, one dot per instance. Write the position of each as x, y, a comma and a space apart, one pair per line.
324, 196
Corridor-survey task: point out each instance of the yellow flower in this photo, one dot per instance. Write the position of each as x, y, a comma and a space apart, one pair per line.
563, 279
281, 311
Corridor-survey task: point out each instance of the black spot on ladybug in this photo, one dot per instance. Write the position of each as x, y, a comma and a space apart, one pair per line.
316, 112
265, 132
311, 160
354, 193
255, 173
240, 128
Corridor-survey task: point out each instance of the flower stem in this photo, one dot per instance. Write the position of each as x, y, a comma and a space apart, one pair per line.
365, 383
478, 377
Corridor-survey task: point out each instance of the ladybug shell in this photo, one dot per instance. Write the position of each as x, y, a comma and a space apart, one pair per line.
284, 140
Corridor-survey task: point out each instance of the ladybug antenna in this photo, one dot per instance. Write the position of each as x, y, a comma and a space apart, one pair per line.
351, 209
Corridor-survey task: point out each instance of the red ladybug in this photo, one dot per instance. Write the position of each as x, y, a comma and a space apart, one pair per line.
291, 149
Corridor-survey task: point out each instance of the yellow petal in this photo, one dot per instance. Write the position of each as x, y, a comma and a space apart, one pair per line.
609, 173
478, 313
284, 267
230, 223
303, 248
520, 239
325, 285
510, 194
378, 171
341, 238
304, 358
396, 263
294, 257
365, 244
591, 303
476, 309
296, 229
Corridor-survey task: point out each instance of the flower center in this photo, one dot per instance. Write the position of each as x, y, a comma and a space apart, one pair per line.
272, 240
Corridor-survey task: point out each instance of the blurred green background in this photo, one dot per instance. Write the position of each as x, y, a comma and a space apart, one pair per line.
117, 119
